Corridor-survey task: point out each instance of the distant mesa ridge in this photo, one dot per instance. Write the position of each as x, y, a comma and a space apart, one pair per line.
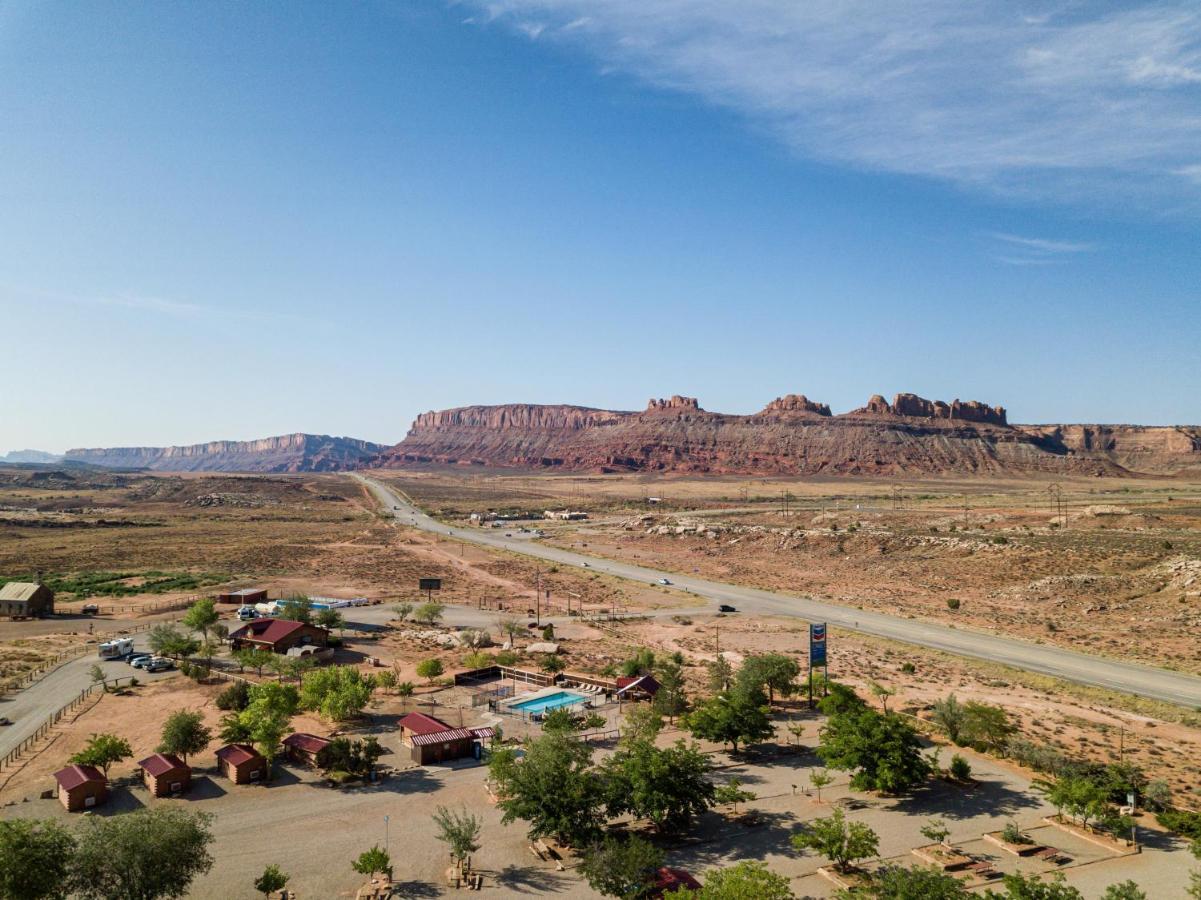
791, 435
285, 453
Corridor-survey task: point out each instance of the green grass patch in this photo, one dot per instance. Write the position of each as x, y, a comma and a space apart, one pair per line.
122, 584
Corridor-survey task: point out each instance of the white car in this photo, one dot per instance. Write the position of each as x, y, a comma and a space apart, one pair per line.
586, 565
664, 581
159, 664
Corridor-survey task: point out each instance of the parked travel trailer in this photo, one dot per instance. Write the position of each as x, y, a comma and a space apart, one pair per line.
118, 649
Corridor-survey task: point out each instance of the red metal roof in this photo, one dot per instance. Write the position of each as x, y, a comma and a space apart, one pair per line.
309, 743
73, 776
270, 631
236, 754
674, 879
420, 723
443, 737
162, 763
483, 732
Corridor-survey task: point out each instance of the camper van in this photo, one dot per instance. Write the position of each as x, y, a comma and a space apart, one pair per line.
118, 649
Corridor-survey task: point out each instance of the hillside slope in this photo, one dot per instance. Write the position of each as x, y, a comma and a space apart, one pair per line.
286, 453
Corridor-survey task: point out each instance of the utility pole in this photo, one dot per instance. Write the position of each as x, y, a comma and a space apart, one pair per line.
538, 599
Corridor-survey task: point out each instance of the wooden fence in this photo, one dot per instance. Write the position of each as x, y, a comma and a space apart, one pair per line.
155, 606
24, 680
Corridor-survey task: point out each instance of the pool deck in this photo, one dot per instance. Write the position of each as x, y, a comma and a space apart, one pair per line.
514, 703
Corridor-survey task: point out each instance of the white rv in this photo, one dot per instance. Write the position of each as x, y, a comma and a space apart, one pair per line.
118, 649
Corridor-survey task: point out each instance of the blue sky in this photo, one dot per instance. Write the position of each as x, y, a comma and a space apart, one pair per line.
244, 219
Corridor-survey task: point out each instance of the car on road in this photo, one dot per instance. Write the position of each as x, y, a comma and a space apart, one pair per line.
508, 534
139, 660
725, 607
664, 581
586, 565
5, 720
159, 664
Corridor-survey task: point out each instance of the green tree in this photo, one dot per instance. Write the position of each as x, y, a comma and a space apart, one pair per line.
668, 787
35, 857
948, 714
255, 658
731, 794
773, 672
721, 675
554, 789
266, 719
428, 613
271, 881
339, 693
985, 727
881, 693
387, 680
477, 659
405, 689
98, 677
145, 855
1125, 890
960, 768
747, 880
232, 730
102, 751
1080, 797
736, 717
843, 843
184, 734
642, 722
202, 616
1031, 887
622, 867
918, 883
429, 669
642, 662
167, 640
403, 610
297, 609
936, 830
460, 831
330, 619
552, 663
356, 758
839, 699
372, 861
670, 700
882, 751
820, 778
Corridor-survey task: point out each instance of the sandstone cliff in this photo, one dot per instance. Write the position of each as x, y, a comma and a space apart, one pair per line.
286, 453
791, 435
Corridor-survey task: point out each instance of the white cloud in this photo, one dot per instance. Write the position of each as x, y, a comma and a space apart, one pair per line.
1083, 101
1044, 246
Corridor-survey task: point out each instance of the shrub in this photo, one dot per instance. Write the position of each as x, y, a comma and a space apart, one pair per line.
908, 668
953, 603
235, 697
961, 769
1013, 835
506, 658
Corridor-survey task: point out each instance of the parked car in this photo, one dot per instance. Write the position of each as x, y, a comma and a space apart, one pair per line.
138, 661
90, 609
159, 664
5, 720
725, 607
246, 613
586, 565
664, 581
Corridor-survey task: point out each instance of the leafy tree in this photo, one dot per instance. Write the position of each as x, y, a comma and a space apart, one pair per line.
948, 714
773, 671
202, 616
330, 619
506, 658
167, 640
1125, 890
561, 719
668, 787
985, 727
35, 857
552, 663
338, 693
670, 700
297, 609
960, 768
403, 610
266, 719
721, 675
98, 677
429, 669
747, 880
428, 613
271, 881
554, 789
511, 628
1122, 778
918, 883
840, 841
731, 794
820, 778
356, 758
622, 867
1079, 797
1158, 794
882, 693
255, 658
642, 722
460, 831
736, 717
102, 751
642, 662
477, 659
184, 733
936, 830
145, 855
372, 861
232, 730
387, 680
235, 697
840, 699
405, 689
1031, 887
882, 750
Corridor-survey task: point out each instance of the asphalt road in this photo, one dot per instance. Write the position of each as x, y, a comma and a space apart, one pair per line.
32, 706
1131, 678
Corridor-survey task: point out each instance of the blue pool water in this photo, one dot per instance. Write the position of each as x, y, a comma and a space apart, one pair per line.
549, 701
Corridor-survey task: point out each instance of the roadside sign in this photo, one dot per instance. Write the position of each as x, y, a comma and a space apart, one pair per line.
430, 584
817, 644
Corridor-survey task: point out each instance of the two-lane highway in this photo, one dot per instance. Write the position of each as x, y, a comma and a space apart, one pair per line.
1143, 681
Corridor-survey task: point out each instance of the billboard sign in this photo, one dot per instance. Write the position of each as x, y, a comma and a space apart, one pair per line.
817, 644
430, 584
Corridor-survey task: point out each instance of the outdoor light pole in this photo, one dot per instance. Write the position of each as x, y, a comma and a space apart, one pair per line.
385, 834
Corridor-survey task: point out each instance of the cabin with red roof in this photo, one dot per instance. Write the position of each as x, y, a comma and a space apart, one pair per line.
430, 740
277, 635
165, 774
303, 747
81, 787
241, 763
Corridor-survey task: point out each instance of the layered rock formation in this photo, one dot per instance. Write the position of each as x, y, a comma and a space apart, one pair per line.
791, 435
286, 453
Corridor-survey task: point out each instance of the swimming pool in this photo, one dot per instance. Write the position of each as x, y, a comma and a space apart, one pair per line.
548, 701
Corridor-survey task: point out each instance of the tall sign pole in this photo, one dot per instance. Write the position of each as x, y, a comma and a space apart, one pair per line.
817, 653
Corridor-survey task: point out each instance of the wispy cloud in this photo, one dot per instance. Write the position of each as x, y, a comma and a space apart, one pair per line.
1093, 102
1019, 250
1042, 245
